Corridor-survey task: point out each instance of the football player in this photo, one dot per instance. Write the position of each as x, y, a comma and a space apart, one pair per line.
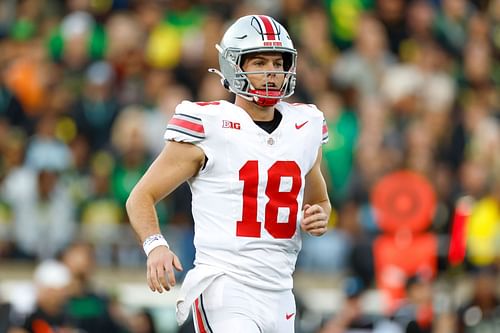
253, 167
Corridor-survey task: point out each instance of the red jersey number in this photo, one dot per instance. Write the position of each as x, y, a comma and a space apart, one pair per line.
249, 174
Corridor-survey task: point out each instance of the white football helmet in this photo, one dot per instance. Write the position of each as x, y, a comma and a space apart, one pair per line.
255, 34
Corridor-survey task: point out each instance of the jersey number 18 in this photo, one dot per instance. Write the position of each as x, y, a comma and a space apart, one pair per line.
249, 174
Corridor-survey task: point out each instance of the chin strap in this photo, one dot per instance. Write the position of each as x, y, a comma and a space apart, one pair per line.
264, 100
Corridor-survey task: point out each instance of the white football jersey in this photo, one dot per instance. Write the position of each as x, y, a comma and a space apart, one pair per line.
247, 199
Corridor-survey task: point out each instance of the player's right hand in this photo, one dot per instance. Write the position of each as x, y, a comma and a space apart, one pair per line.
160, 269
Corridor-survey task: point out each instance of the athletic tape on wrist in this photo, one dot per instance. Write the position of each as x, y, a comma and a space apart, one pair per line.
153, 242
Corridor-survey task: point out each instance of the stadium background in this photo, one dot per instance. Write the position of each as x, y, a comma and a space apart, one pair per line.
87, 88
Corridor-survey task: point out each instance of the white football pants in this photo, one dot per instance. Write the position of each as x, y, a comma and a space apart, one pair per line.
228, 306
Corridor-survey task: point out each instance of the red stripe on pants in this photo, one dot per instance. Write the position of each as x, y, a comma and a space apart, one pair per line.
201, 327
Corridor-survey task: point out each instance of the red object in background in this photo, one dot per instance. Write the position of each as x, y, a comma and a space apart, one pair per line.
24, 77
41, 326
400, 256
457, 250
404, 204
403, 199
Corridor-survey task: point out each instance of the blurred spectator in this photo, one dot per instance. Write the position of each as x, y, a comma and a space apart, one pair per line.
210, 89
338, 154
27, 76
420, 18
142, 322
11, 156
478, 69
11, 109
421, 85
451, 24
481, 134
5, 313
213, 26
125, 50
78, 40
317, 54
351, 318
157, 118
156, 84
482, 311
361, 67
128, 140
375, 153
415, 315
88, 309
45, 150
125, 31
77, 177
52, 280
101, 215
44, 220
336, 246
97, 109
391, 14
359, 226
344, 20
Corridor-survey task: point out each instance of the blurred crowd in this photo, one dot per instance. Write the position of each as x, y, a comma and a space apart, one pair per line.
88, 86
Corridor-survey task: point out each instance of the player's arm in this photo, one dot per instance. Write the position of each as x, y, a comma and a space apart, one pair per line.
317, 206
176, 163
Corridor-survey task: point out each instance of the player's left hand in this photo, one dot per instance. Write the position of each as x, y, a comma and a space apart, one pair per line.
315, 220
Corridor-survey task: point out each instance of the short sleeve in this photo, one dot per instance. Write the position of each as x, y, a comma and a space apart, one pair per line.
185, 125
324, 138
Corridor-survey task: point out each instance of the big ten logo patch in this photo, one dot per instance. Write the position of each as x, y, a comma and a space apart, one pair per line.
230, 124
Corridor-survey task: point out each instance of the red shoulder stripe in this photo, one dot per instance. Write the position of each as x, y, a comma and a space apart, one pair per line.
189, 125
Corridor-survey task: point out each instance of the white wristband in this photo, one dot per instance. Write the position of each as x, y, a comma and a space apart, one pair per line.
153, 242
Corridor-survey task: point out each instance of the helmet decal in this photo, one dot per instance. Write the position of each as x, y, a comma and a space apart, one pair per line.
266, 27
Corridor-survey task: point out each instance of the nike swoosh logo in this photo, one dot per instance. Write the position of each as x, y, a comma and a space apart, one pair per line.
297, 126
288, 316
242, 37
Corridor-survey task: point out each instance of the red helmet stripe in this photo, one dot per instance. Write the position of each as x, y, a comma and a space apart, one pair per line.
270, 34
